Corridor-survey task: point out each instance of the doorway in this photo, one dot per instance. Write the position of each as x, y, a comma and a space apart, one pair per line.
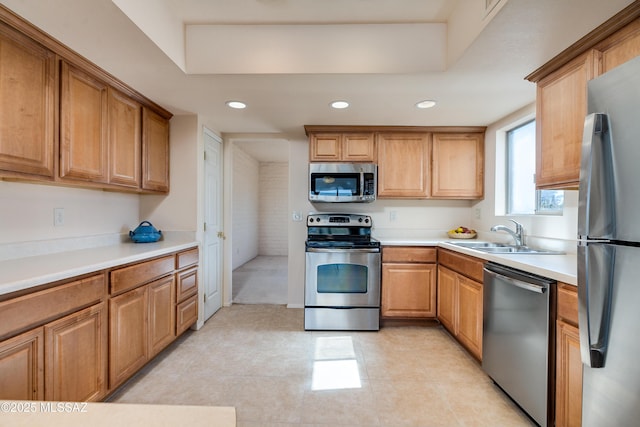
260, 222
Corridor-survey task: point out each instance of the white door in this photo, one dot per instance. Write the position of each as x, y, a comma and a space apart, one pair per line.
213, 230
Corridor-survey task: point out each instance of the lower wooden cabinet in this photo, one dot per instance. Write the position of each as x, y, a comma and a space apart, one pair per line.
408, 282
162, 314
568, 359
142, 322
79, 340
76, 356
469, 302
22, 366
459, 302
128, 335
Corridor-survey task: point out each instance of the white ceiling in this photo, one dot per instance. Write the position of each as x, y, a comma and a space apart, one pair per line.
471, 60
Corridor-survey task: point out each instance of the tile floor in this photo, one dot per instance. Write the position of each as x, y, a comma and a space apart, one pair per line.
259, 359
262, 280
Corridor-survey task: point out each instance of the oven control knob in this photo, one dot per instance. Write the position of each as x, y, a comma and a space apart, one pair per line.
366, 221
360, 219
310, 219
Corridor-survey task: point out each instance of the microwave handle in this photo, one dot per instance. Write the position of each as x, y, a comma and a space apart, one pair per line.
361, 182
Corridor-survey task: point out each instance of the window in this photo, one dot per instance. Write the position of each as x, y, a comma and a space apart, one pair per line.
522, 196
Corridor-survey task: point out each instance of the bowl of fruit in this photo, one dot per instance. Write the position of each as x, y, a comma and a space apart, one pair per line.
462, 233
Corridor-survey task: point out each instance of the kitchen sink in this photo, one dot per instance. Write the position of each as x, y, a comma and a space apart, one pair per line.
502, 248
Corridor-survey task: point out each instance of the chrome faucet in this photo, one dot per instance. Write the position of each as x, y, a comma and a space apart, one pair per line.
518, 235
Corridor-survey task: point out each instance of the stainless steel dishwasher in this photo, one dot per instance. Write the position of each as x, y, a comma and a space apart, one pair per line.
517, 334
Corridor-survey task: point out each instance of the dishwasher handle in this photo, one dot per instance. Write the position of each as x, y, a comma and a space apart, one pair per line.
532, 287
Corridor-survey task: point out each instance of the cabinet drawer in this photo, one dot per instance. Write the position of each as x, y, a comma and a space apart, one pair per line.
408, 254
186, 314
568, 303
34, 309
186, 258
465, 265
135, 275
187, 284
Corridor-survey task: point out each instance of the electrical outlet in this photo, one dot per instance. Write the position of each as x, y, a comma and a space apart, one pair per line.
478, 213
58, 217
393, 215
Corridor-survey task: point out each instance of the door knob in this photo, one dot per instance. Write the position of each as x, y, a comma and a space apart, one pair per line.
221, 235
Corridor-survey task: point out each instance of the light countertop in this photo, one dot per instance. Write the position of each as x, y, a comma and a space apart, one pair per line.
558, 267
72, 414
24, 273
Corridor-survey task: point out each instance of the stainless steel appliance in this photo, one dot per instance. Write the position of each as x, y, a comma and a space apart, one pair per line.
517, 333
342, 182
609, 249
342, 284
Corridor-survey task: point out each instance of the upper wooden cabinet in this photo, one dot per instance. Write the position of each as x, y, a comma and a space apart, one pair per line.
27, 106
620, 47
560, 109
83, 126
155, 151
403, 165
561, 103
65, 120
457, 166
414, 162
342, 147
125, 140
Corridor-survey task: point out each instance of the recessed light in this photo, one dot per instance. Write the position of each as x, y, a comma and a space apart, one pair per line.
339, 105
428, 103
238, 105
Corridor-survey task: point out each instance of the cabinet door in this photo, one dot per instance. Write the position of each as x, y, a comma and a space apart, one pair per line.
83, 126
358, 147
561, 108
469, 327
408, 290
457, 166
447, 298
155, 152
568, 376
27, 105
125, 140
22, 367
162, 314
325, 147
128, 335
403, 165
76, 356
620, 47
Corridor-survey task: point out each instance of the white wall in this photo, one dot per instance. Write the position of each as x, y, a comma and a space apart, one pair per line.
553, 232
177, 211
245, 207
273, 208
26, 212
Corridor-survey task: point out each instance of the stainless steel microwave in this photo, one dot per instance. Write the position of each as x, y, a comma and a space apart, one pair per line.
343, 182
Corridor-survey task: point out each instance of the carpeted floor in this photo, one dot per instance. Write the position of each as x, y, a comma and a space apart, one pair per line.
263, 280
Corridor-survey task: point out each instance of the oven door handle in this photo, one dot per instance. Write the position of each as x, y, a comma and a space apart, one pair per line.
358, 250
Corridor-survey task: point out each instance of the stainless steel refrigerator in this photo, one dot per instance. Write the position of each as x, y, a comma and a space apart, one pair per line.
609, 250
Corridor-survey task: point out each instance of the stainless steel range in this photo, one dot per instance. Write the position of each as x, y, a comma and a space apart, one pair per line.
342, 285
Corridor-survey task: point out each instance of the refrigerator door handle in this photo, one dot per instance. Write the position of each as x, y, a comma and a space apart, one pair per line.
596, 206
595, 280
